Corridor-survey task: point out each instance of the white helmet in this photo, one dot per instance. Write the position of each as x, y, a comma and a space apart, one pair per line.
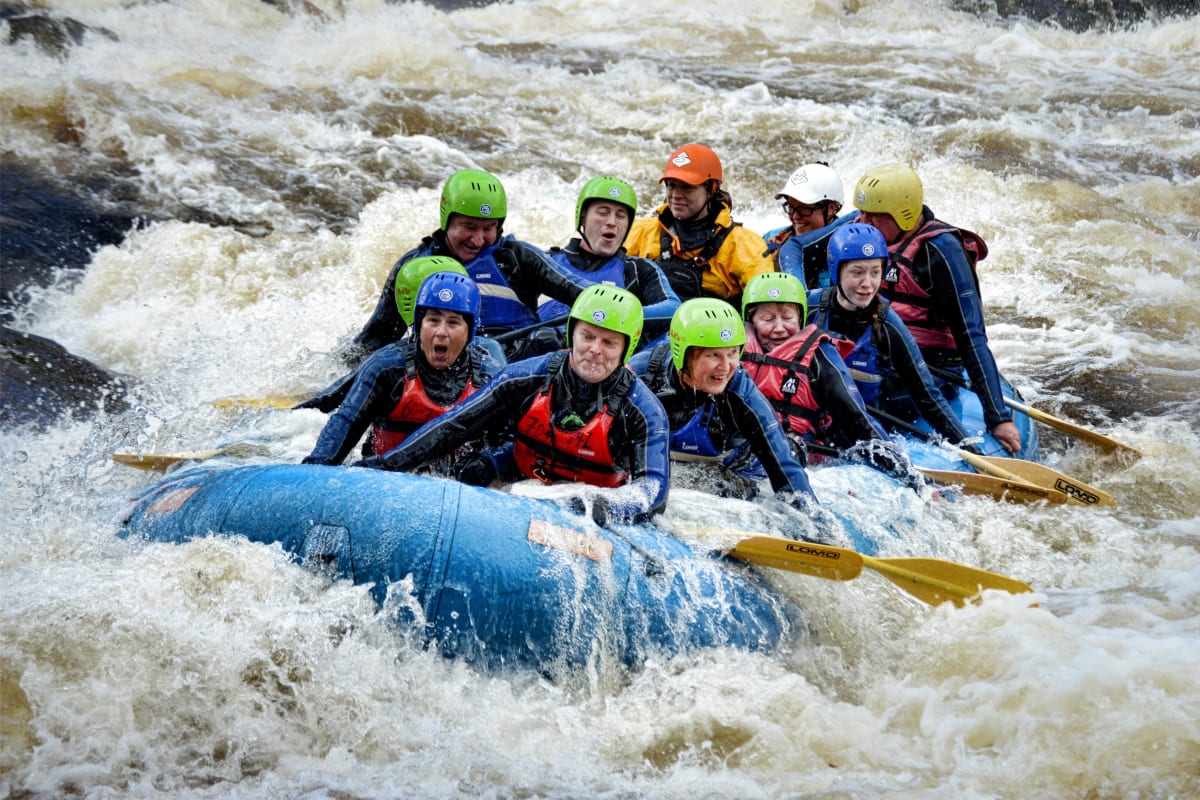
813, 184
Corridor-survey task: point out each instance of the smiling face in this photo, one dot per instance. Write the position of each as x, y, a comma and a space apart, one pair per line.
775, 323
467, 236
595, 352
603, 227
709, 369
686, 200
443, 336
858, 282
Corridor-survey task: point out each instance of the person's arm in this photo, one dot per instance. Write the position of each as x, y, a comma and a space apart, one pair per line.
808, 248
956, 295
834, 389
916, 378
752, 417
534, 274
643, 435
497, 402
373, 394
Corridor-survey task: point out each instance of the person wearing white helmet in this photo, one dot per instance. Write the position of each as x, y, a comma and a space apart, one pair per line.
812, 198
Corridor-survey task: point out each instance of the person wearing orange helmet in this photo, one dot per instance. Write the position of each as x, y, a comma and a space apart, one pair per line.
692, 235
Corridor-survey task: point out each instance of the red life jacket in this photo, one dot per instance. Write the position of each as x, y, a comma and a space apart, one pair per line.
412, 411
544, 451
912, 302
784, 377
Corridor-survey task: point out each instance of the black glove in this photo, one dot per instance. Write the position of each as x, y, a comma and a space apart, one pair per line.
827, 526
374, 462
887, 457
540, 342
477, 471
728, 484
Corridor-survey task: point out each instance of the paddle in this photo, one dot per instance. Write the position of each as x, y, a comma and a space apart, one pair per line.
1015, 470
1070, 428
975, 483
281, 401
929, 579
160, 461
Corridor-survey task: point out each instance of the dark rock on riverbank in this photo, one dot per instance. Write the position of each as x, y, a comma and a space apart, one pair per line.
41, 383
1082, 15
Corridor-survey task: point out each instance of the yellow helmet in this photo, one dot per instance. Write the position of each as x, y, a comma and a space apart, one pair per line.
893, 189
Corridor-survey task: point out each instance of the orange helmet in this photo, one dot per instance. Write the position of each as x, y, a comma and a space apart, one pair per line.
693, 164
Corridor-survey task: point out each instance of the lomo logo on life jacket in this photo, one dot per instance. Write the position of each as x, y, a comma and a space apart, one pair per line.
893, 274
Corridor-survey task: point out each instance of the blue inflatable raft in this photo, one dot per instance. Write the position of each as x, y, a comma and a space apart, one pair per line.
499, 580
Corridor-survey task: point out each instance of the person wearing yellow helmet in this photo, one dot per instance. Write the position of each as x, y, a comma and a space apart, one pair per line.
604, 212
575, 416
692, 236
931, 283
512, 274
717, 415
933, 287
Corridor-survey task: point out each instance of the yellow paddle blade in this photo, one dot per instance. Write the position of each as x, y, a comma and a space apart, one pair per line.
928, 579
160, 461
1042, 475
1078, 431
999, 488
281, 401
936, 581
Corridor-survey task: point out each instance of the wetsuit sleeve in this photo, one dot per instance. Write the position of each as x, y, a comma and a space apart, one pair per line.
534, 273
644, 440
956, 294
835, 391
385, 325
373, 394
804, 255
753, 418
659, 300
915, 377
494, 407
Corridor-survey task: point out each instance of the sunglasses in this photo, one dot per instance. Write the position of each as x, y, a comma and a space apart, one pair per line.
793, 210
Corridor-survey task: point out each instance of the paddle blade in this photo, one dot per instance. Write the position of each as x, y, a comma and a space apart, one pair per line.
818, 560
999, 488
935, 581
1040, 474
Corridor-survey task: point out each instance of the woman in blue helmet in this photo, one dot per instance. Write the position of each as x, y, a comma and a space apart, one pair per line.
885, 359
574, 416
405, 384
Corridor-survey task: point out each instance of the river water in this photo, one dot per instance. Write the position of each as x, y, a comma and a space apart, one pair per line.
320, 139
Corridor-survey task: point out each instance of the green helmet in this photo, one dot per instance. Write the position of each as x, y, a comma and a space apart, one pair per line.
412, 274
473, 193
893, 189
614, 190
704, 322
611, 308
774, 287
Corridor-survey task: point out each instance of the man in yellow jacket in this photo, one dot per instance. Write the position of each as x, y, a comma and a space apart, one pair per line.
693, 237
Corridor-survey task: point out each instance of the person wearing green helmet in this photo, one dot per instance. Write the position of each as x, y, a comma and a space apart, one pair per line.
717, 414
512, 274
576, 416
405, 384
800, 370
932, 285
603, 214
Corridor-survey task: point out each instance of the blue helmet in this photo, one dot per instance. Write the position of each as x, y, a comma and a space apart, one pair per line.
852, 242
449, 291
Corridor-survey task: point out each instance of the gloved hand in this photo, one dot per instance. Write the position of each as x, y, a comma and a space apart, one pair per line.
478, 470
827, 526
374, 462
728, 484
887, 457
540, 342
